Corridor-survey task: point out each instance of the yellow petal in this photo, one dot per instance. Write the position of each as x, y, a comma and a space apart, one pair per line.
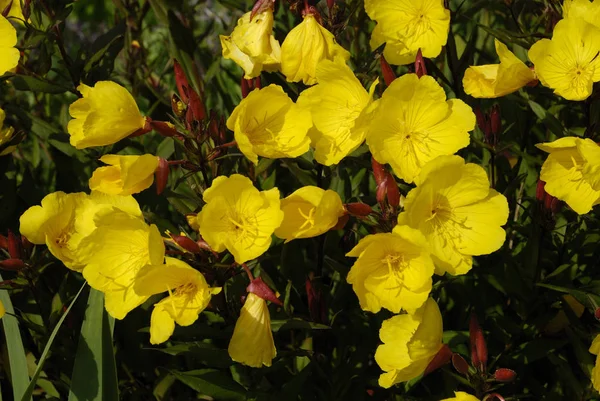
162, 326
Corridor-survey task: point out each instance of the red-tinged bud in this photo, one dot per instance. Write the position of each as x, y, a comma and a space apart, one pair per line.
14, 245
597, 314
378, 171
260, 288
3, 242
479, 353
460, 364
540, 191
358, 209
186, 243
161, 175
393, 192
420, 68
178, 107
12, 264
261, 6
245, 86
144, 130
387, 71
505, 375
440, 359
330, 4
481, 119
7, 9
493, 397
381, 192
314, 297
341, 223
196, 105
181, 81
257, 83
25, 243
495, 121
164, 128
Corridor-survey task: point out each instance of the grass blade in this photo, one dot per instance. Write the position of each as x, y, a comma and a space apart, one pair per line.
94, 375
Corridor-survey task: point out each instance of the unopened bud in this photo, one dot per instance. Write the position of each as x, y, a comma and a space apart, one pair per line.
144, 130
196, 105
540, 191
381, 192
14, 245
161, 175
341, 223
481, 119
420, 68
181, 81
505, 375
460, 364
440, 359
393, 192
495, 120
12, 264
378, 171
260, 288
358, 209
387, 71
597, 314
186, 243
3, 242
164, 128
6, 9
479, 353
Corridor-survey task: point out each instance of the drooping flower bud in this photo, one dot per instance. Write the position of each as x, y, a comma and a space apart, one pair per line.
505, 375
460, 364
161, 175
260, 288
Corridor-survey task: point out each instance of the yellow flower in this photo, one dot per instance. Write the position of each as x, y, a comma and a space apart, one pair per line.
106, 114
572, 172
339, 106
9, 55
393, 270
304, 47
583, 9
413, 124
114, 253
238, 217
462, 396
410, 342
6, 137
569, 63
595, 349
460, 216
495, 80
189, 294
406, 26
309, 212
126, 175
268, 123
15, 10
63, 220
252, 45
252, 341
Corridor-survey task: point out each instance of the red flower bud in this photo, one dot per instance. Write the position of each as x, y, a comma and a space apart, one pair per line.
597, 314
260, 288
196, 105
186, 243
420, 68
164, 128
3, 242
14, 245
478, 346
162, 175
540, 192
330, 4
460, 364
378, 171
440, 359
12, 264
7, 9
495, 120
505, 375
358, 209
481, 119
341, 222
245, 86
181, 81
381, 192
142, 131
393, 192
387, 71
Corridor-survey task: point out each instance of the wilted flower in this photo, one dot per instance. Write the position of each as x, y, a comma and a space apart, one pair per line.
410, 342
460, 216
393, 270
113, 255
268, 123
462, 396
595, 349
189, 295
252, 341
126, 175
6, 136
495, 80
414, 123
106, 114
406, 26
572, 172
9, 55
339, 106
569, 62
304, 47
587, 10
238, 217
308, 212
252, 45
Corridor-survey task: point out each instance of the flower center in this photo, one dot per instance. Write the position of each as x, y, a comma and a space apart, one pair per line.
310, 218
188, 289
396, 264
580, 76
62, 239
241, 226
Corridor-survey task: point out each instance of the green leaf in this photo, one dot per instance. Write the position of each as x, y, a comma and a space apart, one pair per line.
29, 391
16, 353
548, 119
94, 372
28, 83
213, 383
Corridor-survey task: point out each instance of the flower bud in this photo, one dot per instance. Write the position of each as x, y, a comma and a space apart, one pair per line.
505, 375
378, 171
381, 192
540, 191
420, 68
479, 353
6, 9
393, 192
387, 71
186, 243
12, 264
196, 105
342, 220
260, 288
440, 359
161, 175
164, 128
14, 245
495, 121
181, 81
358, 209
330, 4
460, 364
481, 120
3, 242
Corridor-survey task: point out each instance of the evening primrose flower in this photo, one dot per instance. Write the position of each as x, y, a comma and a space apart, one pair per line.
460, 216
414, 123
583, 10
572, 172
252, 341
569, 62
6, 136
9, 55
304, 47
393, 270
462, 396
595, 349
339, 106
308, 212
496, 80
104, 115
114, 253
125, 175
410, 342
238, 217
252, 45
406, 26
189, 294
268, 123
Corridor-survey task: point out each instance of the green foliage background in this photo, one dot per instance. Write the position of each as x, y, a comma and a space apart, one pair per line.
515, 291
